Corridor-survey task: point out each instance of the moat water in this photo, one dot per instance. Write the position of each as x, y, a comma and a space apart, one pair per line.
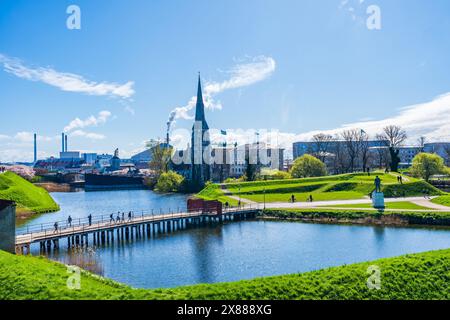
229, 252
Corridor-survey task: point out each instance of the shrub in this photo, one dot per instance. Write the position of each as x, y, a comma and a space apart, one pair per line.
425, 165
169, 182
308, 166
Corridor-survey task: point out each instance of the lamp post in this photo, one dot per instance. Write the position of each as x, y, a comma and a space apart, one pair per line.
239, 191
264, 193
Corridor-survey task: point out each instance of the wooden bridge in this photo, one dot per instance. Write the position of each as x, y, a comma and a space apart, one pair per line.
106, 229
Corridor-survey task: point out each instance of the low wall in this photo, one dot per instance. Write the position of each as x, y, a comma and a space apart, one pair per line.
7, 226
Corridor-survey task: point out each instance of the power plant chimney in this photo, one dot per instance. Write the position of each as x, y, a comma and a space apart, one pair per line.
167, 136
35, 148
62, 142
65, 143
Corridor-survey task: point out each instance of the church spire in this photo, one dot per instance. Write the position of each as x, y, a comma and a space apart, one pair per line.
200, 107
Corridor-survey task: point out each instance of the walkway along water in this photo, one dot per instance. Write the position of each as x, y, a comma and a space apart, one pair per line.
103, 228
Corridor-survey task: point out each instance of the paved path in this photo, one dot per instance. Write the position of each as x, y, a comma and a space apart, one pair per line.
229, 194
317, 204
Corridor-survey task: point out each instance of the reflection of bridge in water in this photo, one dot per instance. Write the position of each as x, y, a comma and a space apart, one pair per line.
103, 230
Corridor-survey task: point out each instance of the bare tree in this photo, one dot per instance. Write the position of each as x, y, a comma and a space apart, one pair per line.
396, 136
382, 150
363, 139
421, 143
351, 139
341, 159
447, 152
322, 145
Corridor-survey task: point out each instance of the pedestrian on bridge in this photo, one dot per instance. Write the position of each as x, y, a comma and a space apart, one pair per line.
90, 219
56, 227
123, 216
69, 221
118, 218
111, 218
129, 216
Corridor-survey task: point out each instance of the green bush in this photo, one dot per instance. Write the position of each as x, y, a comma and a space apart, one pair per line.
169, 182
308, 166
425, 165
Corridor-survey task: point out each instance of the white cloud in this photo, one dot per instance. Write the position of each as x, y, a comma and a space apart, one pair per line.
66, 81
130, 110
89, 135
429, 119
91, 121
241, 75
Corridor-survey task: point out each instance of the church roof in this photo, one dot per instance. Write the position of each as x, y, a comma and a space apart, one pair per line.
200, 107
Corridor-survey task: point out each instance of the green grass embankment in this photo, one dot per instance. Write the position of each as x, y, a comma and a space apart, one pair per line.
442, 200
27, 196
401, 205
357, 216
214, 192
415, 276
338, 187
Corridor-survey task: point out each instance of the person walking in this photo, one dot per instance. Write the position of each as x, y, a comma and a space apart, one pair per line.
118, 218
111, 218
56, 227
69, 221
129, 216
123, 216
310, 198
90, 219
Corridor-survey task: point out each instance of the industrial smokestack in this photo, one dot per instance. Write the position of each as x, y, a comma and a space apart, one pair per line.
35, 148
62, 142
167, 136
65, 143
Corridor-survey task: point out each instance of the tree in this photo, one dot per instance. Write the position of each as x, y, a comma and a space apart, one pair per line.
161, 155
395, 135
169, 182
424, 165
421, 143
352, 145
321, 145
308, 166
363, 139
382, 150
251, 169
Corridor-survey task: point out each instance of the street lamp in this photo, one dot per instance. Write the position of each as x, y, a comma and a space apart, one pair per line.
264, 193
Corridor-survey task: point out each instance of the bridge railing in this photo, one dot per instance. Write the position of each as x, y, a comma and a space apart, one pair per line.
116, 219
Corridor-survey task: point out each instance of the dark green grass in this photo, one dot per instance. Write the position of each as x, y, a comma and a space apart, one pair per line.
27, 196
416, 276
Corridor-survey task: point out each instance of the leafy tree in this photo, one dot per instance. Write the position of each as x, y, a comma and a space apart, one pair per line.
169, 182
424, 165
161, 155
308, 166
251, 169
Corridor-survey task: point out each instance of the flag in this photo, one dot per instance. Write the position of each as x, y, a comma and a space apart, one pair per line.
223, 132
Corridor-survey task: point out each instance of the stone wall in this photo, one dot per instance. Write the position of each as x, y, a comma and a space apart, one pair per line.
7, 225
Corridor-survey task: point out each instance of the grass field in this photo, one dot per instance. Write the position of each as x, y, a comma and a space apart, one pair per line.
415, 276
442, 200
389, 205
338, 187
27, 196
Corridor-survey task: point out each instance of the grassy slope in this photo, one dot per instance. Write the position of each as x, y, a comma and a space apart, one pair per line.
443, 200
27, 196
339, 187
389, 205
213, 192
418, 276
349, 215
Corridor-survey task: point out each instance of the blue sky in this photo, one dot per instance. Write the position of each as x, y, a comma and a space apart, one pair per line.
313, 65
